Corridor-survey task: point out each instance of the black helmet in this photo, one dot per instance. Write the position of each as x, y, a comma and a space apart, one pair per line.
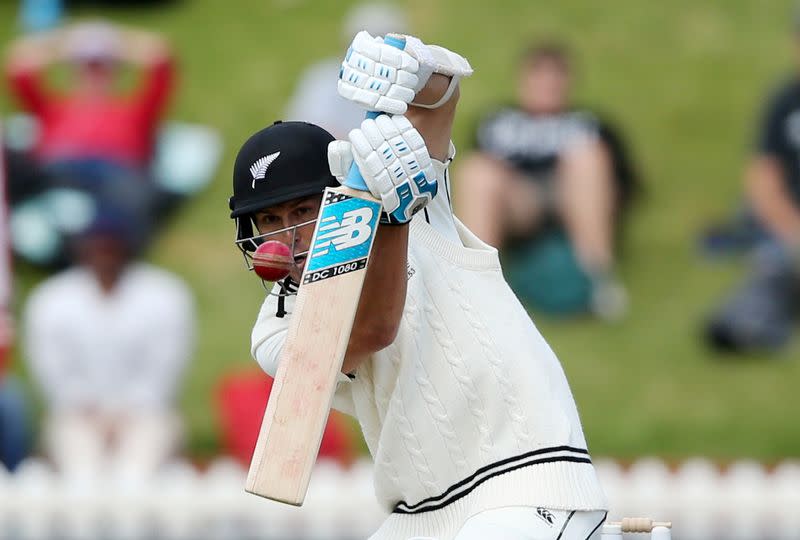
284, 161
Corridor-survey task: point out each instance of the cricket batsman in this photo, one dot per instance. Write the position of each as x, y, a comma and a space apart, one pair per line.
466, 410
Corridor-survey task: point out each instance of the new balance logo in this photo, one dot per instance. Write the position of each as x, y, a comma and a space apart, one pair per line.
259, 168
353, 230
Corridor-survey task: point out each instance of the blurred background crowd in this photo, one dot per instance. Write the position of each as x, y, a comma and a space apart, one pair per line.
638, 170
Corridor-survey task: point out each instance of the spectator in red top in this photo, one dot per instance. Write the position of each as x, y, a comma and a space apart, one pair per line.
92, 120
93, 137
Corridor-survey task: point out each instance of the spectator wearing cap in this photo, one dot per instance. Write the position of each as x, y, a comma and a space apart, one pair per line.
92, 135
107, 343
91, 120
316, 99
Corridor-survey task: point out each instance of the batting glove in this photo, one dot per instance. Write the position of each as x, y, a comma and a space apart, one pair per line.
380, 77
377, 76
394, 162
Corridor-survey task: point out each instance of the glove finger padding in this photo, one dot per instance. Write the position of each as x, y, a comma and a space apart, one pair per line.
378, 76
375, 49
394, 162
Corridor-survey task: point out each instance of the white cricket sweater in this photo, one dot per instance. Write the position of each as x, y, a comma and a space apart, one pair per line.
469, 408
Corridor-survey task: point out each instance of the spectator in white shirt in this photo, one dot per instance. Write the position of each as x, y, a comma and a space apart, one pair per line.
108, 343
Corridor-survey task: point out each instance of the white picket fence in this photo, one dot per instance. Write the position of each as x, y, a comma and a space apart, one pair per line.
742, 502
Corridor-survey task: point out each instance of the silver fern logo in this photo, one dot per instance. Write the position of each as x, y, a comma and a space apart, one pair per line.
259, 168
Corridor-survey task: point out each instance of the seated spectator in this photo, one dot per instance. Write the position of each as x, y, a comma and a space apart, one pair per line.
108, 342
547, 185
92, 137
316, 99
761, 313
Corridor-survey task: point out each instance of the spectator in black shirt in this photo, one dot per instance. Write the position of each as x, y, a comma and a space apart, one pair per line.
760, 314
773, 177
546, 185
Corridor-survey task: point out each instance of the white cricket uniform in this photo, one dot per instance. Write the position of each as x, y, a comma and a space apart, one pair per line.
468, 411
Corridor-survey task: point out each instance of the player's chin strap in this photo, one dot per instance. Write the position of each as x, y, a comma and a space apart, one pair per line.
435, 59
288, 287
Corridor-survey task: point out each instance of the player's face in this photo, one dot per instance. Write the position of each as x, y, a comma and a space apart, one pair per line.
544, 86
293, 224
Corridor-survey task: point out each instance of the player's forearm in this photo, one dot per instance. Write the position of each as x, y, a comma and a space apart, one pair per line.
773, 206
382, 297
435, 125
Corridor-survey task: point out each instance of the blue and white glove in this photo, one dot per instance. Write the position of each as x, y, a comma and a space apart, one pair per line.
377, 76
394, 162
380, 77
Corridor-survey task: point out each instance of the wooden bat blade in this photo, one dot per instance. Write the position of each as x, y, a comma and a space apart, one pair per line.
319, 331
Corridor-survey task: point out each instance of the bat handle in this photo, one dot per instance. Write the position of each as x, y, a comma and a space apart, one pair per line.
354, 179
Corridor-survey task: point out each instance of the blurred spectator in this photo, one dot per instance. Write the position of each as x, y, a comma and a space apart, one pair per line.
93, 137
547, 185
761, 313
14, 420
91, 121
242, 398
316, 98
108, 342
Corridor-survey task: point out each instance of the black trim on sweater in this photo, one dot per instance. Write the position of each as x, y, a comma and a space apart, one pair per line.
466, 486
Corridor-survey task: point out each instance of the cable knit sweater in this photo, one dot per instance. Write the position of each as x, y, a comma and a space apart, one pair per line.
469, 408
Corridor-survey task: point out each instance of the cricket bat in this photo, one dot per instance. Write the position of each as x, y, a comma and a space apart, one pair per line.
312, 356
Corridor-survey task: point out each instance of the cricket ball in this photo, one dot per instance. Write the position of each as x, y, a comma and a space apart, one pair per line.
272, 261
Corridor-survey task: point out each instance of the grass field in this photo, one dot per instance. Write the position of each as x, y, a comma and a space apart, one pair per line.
682, 78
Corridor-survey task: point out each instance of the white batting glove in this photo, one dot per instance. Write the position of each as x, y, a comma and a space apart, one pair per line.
394, 162
383, 78
377, 76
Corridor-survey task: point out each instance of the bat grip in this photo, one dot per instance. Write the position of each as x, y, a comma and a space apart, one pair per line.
354, 179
